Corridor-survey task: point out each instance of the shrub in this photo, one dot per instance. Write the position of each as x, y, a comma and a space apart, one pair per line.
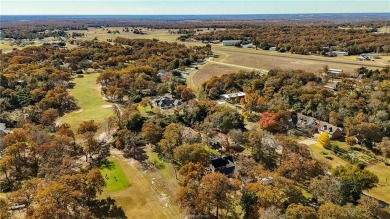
361, 165
158, 164
324, 153
329, 157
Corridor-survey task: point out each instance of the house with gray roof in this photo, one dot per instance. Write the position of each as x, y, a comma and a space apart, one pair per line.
224, 165
166, 103
311, 125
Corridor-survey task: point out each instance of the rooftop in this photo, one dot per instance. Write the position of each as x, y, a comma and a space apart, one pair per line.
232, 95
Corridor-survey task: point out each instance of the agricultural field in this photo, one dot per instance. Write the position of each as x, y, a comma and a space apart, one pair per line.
102, 35
209, 70
269, 59
384, 30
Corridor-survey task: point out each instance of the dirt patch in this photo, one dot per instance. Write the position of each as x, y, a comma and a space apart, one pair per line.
212, 70
78, 111
308, 142
107, 106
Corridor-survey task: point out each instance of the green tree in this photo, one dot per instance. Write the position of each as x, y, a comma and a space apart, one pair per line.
172, 138
354, 181
135, 121
195, 153
249, 205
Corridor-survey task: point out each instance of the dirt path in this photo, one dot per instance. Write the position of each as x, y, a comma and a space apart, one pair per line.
308, 142
239, 66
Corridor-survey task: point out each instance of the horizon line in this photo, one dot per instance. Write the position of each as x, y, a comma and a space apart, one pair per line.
385, 12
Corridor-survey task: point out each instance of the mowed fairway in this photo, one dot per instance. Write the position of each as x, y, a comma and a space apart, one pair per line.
146, 197
113, 176
92, 106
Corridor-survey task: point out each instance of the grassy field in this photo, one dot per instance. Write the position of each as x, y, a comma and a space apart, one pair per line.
113, 175
102, 35
5, 46
209, 70
164, 168
149, 195
145, 110
234, 59
92, 106
316, 150
382, 191
268, 59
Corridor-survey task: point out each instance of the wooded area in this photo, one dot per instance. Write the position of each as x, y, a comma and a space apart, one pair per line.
237, 156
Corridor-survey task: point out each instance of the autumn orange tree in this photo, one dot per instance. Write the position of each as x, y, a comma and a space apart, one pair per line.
88, 130
253, 102
268, 121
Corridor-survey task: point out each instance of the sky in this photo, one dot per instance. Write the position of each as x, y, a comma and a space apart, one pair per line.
188, 7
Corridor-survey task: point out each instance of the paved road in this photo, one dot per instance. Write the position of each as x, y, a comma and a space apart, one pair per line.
297, 57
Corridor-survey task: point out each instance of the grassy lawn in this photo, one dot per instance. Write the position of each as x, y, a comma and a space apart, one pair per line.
143, 199
114, 176
342, 145
92, 106
316, 150
164, 168
212, 151
382, 191
145, 110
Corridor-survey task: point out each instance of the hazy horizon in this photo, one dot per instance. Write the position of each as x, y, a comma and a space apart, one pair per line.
189, 7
